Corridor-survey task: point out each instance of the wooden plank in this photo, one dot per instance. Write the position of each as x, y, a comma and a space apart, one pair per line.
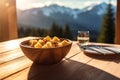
110, 67
9, 48
76, 66
88, 72
20, 75
7, 56
14, 66
74, 49
61, 71
82, 58
105, 68
27, 71
13, 44
11, 55
18, 40
92, 69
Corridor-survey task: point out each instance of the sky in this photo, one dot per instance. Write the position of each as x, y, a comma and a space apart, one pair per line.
27, 4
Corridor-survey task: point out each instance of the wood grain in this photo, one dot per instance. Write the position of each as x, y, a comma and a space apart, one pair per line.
11, 55
19, 75
25, 76
75, 66
110, 66
12, 44
19, 40
62, 71
14, 66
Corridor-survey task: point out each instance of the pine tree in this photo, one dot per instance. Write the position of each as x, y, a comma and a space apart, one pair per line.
67, 32
107, 33
27, 31
54, 30
33, 32
41, 32
60, 33
21, 32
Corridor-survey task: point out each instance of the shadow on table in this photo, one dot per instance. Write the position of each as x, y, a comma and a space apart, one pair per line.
68, 70
113, 57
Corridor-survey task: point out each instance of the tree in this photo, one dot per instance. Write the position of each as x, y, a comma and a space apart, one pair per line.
54, 30
42, 32
67, 32
21, 32
27, 31
107, 33
60, 33
33, 32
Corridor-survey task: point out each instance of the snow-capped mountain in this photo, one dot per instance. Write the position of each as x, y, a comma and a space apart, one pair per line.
48, 10
88, 18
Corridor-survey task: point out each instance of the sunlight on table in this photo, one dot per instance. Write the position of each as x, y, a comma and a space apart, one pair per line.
12, 44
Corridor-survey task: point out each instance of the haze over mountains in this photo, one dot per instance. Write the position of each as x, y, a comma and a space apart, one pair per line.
88, 18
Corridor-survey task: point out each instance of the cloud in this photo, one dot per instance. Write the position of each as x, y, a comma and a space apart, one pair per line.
72, 4
87, 3
67, 3
114, 3
35, 5
42, 4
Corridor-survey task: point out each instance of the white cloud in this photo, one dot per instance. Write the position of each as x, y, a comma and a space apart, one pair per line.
42, 4
87, 3
35, 5
114, 3
68, 3
55, 2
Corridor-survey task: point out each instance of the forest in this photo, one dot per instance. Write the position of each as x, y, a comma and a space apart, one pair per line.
54, 30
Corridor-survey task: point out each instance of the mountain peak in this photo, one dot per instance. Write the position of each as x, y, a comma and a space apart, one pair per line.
54, 8
54, 5
45, 16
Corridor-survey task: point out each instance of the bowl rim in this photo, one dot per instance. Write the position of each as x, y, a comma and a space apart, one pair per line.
21, 43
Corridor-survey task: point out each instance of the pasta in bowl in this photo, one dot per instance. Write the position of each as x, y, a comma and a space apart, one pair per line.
46, 50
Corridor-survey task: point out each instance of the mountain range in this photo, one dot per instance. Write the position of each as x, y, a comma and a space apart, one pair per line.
88, 18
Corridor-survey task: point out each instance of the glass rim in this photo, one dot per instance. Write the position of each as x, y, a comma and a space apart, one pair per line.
83, 31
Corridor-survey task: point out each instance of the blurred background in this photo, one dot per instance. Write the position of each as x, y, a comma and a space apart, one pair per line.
62, 18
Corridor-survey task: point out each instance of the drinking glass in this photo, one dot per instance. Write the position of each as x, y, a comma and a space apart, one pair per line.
83, 38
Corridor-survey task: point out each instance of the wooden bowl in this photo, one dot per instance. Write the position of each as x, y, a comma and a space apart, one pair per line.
45, 55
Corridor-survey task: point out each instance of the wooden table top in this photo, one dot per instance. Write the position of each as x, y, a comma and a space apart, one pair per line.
75, 66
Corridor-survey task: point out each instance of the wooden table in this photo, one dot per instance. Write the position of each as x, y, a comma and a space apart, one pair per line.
75, 66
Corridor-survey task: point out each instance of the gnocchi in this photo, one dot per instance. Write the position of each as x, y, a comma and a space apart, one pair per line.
48, 42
